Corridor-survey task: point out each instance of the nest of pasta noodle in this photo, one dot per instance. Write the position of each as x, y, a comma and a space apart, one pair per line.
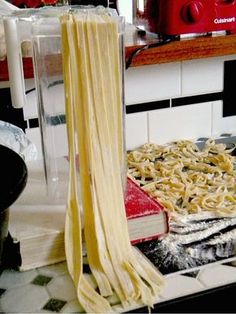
185, 178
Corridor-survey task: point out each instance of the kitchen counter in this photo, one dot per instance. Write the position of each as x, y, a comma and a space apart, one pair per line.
183, 49
49, 289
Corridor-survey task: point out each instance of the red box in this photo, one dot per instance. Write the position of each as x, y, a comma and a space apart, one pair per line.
175, 17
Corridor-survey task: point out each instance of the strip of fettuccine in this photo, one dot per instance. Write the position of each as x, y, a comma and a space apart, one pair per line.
92, 73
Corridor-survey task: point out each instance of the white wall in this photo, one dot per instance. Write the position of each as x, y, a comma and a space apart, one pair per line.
174, 80
155, 83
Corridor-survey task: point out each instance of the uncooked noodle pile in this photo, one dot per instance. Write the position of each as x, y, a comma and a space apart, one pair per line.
186, 179
93, 89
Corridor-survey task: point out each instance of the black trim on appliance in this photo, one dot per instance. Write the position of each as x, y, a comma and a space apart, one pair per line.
148, 106
190, 100
229, 93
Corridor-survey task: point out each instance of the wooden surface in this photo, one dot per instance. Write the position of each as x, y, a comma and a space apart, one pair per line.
185, 49
178, 50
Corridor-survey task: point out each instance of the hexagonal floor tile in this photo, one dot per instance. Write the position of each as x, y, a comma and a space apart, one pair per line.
62, 288
25, 299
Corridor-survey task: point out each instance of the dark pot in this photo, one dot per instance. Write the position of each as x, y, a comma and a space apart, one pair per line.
13, 177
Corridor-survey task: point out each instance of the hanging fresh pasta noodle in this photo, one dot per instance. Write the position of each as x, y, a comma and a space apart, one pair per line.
93, 88
73, 237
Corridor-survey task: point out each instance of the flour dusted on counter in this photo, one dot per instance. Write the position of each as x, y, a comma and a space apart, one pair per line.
193, 243
93, 89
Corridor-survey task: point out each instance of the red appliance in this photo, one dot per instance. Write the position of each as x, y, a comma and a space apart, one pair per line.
175, 17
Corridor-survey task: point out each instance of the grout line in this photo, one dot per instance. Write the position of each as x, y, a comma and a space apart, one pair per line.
148, 128
212, 118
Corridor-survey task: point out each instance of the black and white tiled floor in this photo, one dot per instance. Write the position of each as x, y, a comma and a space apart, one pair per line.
46, 289
49, 289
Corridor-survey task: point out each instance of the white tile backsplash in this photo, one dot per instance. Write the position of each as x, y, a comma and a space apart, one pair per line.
152, 82
230, 57
55, 103
60, 140
34, 136
183, 122
55, 100
30, 109
136, 129
166, 81
202, 76
219, 124
57, 140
